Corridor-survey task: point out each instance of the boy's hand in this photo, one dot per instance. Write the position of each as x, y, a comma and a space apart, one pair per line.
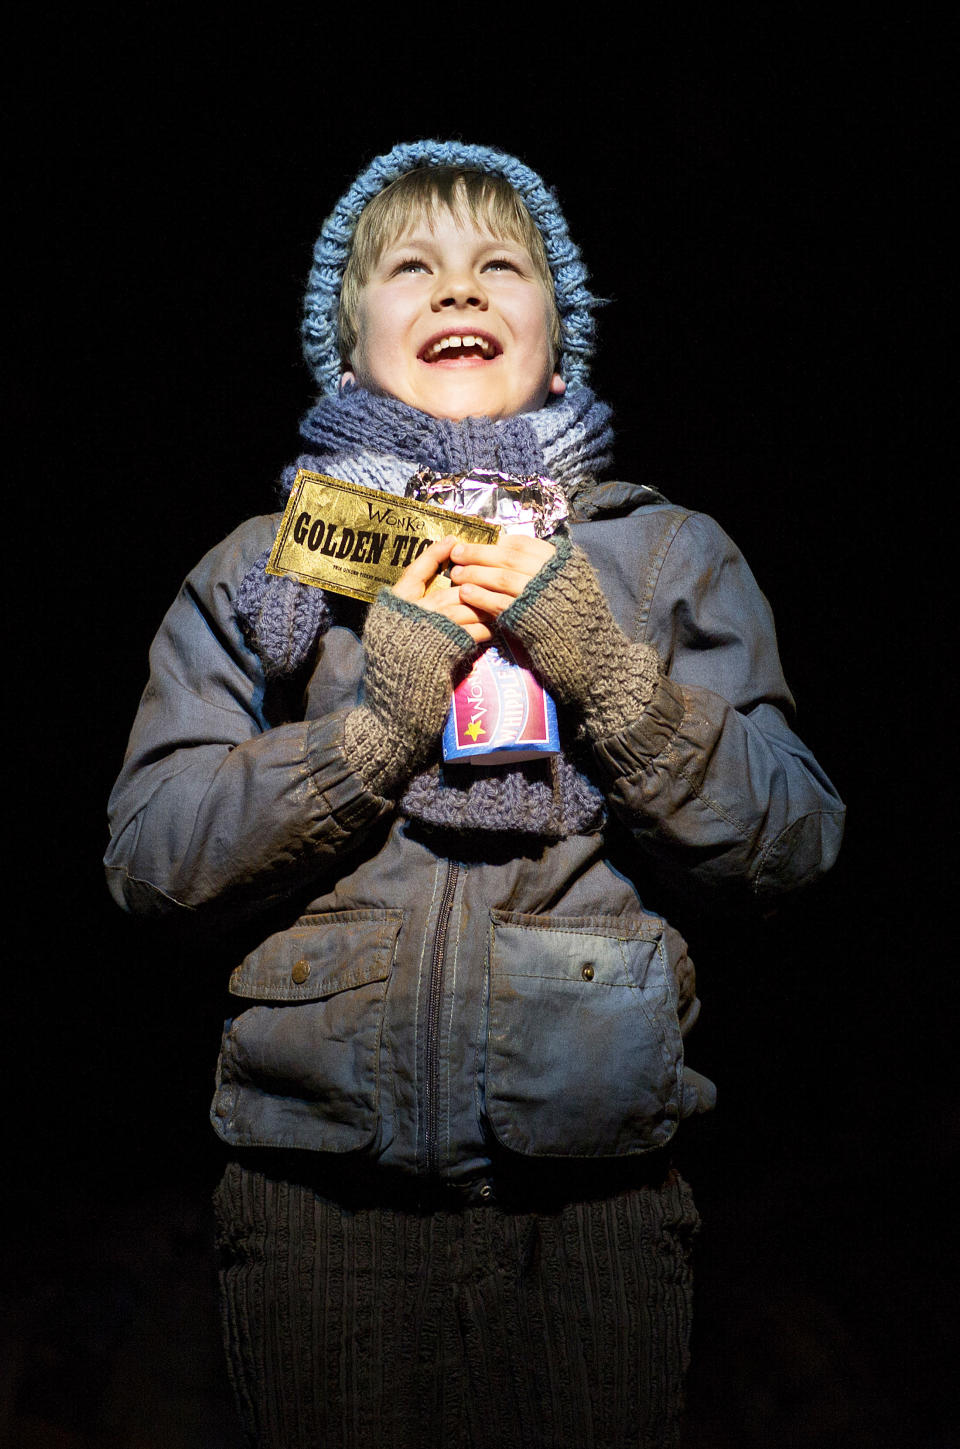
422, 583
412, 654
490, 576
576, 646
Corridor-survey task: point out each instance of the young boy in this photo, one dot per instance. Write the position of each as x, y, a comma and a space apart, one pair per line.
457, 1064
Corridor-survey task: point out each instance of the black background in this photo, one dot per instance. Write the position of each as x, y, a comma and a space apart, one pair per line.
759, 200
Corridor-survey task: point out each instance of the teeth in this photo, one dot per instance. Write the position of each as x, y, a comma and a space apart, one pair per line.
456, 341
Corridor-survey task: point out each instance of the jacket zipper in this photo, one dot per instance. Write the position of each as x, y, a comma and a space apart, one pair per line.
433, 1019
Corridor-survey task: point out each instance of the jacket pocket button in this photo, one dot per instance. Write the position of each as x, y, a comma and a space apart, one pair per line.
587, 972
300, 971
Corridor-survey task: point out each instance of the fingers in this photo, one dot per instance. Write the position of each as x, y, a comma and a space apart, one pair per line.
485, 579
417, 577
487, 601
422, 583
514, 551
452, 606
491, 576
479, 633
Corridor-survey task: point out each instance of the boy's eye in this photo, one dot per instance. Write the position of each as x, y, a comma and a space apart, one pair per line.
412, 265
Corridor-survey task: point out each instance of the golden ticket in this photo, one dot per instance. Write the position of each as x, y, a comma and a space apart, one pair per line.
354, 540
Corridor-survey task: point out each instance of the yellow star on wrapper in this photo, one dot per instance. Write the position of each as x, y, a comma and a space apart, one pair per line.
474, 729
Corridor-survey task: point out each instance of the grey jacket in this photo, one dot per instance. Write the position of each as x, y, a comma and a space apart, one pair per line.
433, 1004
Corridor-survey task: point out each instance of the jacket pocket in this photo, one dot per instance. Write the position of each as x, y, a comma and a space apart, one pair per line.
301, 1067
584, 1057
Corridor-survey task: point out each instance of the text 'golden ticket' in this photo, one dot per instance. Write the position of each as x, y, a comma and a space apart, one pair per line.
353, 540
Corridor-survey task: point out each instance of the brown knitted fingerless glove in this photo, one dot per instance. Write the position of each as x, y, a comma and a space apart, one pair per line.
576, 647
411, 655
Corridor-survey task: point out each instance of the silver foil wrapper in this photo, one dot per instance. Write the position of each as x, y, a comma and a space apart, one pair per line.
535, 506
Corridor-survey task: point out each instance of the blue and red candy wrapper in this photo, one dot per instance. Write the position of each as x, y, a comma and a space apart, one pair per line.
500, 713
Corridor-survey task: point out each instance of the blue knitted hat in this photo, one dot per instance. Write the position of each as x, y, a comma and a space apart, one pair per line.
322, 301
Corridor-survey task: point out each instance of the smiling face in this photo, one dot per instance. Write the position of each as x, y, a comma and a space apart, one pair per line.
456, 322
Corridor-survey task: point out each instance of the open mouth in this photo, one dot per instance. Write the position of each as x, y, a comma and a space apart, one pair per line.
456, 346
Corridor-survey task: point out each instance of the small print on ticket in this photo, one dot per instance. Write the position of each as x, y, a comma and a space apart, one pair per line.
354, 540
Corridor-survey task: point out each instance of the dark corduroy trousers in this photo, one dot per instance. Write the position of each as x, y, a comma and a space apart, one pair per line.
486, 1327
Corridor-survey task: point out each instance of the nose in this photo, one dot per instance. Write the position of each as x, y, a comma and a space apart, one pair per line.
457, 288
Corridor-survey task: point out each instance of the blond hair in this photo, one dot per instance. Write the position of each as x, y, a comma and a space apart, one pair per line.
478, 196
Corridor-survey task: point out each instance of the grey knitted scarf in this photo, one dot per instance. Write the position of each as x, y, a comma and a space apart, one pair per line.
380, 442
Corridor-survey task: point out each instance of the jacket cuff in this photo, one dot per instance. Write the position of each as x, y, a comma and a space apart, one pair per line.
631, 750
349, 806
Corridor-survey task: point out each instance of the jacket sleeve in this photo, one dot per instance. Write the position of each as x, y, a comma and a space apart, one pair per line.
212, 804
712, 778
